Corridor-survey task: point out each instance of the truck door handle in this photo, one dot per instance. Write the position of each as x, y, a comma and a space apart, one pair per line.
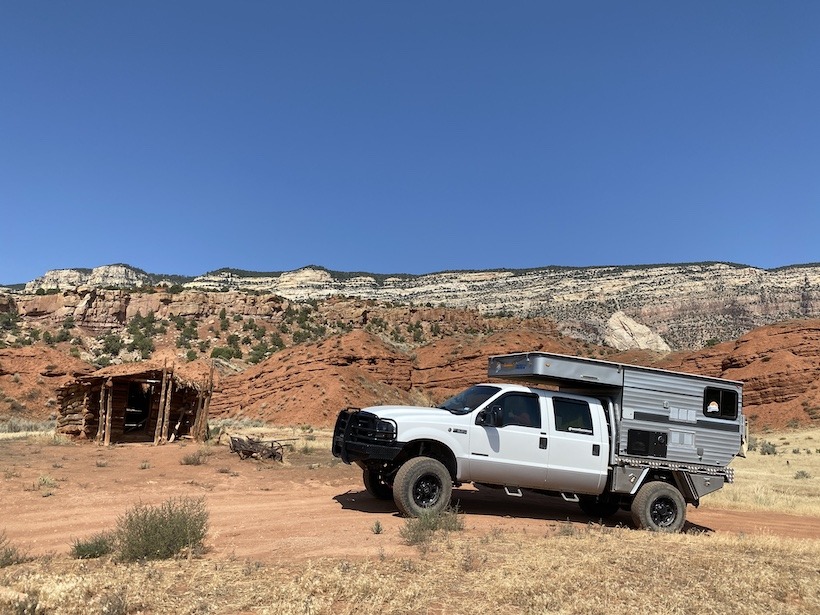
542, 443
596, 450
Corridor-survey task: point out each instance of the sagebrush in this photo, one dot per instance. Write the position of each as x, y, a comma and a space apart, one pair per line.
160, 532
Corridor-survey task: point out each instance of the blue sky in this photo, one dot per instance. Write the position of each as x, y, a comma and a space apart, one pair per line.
407, 137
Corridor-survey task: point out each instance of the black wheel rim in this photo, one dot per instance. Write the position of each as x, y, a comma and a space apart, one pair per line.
663, 512
427, 490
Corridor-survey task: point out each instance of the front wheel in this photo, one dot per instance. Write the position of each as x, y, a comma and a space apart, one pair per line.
422, 485
659, 507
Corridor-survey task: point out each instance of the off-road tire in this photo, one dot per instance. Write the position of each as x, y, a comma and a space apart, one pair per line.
659, 507
375, 487
422, 485
598, 508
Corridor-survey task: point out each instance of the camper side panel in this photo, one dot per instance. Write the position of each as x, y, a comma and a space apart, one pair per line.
668, 417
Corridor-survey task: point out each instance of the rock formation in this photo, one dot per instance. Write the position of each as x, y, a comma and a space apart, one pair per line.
683, 306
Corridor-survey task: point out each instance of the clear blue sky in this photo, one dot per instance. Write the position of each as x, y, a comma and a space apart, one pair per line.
185, 136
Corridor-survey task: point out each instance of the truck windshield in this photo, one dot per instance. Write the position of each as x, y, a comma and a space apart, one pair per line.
467, 401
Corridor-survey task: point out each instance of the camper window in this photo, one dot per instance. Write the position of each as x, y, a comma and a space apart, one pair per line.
720, 403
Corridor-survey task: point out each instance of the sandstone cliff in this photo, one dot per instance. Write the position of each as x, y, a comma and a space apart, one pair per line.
677, 306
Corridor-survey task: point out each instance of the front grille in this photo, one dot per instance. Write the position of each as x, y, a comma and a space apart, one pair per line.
356, 436
363, 430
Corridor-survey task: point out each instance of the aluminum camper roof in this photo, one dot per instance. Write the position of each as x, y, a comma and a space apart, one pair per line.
563, 369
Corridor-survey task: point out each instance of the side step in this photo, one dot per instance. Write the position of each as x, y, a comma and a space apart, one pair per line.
514, 492
570, 497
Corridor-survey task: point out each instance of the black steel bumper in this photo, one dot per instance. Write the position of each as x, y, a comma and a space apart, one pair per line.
356, 438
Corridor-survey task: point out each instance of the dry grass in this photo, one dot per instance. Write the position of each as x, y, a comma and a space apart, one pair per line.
586, 571
786, 482
577, 570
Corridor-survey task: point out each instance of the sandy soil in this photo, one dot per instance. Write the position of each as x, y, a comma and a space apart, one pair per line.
307, 508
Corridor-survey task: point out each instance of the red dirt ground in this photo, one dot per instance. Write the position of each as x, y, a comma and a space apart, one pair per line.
307, 508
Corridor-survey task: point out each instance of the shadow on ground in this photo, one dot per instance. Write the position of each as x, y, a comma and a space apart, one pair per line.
495, 502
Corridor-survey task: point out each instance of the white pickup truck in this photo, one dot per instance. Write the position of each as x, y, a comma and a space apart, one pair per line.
605, 435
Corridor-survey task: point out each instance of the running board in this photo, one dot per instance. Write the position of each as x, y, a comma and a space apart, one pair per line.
570, 497
515, 494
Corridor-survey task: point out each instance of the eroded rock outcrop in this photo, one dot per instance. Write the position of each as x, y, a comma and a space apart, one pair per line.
623, 333
685, 306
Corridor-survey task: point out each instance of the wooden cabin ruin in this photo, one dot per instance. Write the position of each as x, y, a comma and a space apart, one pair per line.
137, 402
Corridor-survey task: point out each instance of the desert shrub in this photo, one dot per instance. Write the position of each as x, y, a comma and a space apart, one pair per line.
801, 474
231, 423
9, 554
226, 352
160, 532
112, 344
767, 448
142, 344
197, 458
98, 545
18, 425
259, 352
420, 530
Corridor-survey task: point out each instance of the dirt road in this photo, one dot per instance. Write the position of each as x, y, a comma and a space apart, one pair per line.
308, 508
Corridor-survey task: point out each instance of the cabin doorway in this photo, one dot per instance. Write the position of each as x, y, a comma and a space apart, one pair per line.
138, 407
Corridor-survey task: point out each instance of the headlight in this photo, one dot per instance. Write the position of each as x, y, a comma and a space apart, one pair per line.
385, 426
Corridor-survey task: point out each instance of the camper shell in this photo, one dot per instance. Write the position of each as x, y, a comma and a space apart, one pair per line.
659, 419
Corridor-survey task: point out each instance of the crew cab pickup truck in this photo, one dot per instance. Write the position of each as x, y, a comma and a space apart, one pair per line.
606, 435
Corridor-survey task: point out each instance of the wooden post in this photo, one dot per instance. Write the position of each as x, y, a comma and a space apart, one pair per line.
205, 415
161, 409
208, 394
109, 410
196, 427
83, 432
166, 415
101, 417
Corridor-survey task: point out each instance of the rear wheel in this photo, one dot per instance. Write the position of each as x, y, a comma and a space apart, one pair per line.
422, 484
375, 486
659, 507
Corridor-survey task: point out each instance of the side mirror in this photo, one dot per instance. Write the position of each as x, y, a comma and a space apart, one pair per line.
490, 417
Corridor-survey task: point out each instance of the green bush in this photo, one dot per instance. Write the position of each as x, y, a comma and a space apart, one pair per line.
226, 352
94, 547
160, 532
112, 344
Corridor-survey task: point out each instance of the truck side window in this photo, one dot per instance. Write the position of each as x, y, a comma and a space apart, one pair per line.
572, 415
520, 409
720, 403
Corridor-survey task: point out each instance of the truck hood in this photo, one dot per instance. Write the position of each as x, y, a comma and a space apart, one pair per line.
409, 413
